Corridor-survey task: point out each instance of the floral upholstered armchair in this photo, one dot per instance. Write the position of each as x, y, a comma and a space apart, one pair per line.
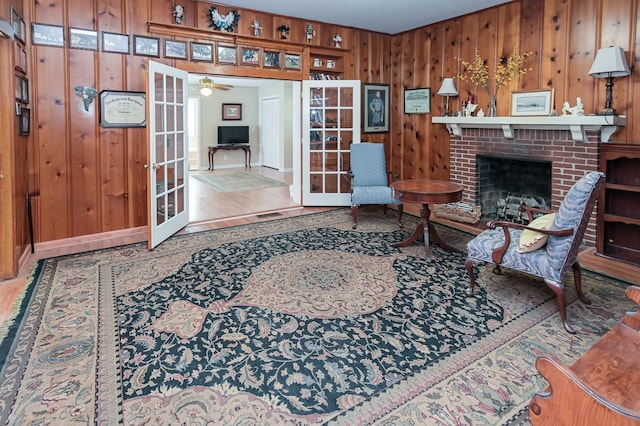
369, 179
544, 250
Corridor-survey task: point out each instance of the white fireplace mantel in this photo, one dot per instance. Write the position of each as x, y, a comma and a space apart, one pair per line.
607, 125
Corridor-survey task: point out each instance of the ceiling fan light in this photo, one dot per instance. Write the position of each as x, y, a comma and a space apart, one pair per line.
206, 91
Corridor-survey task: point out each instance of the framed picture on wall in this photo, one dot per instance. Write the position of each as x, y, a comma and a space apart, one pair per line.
201, 52
375, 108
227, 55
146, 46
271, 59
175, 49
114, 42
123, 109
250, 56
25, 121
417, 101
232, 111
48, 35
83, 39
292, 61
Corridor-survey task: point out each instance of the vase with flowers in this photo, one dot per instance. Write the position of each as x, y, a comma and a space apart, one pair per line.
507, 67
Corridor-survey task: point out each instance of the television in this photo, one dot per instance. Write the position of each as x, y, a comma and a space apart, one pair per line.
233, 135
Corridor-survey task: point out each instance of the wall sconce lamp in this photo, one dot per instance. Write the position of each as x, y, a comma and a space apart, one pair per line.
447, 89
609, 63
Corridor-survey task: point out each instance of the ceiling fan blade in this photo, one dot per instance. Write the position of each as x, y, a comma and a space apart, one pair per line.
221, 86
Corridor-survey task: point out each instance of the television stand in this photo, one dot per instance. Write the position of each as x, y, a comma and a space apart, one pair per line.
245, 147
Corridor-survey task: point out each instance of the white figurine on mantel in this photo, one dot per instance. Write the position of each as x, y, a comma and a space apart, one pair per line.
577, 110
469, 109
480, 113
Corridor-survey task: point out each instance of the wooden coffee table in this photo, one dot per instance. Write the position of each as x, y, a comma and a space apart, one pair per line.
426, 191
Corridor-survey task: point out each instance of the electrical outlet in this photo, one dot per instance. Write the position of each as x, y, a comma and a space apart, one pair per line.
225, 157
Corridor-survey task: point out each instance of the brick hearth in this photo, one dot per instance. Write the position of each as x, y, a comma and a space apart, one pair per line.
570, 159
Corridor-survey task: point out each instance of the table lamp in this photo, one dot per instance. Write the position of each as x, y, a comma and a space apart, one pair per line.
609, 63
447, 89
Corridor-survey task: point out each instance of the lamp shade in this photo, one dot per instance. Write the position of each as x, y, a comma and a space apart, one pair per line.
206, 91
448, 88
609, 62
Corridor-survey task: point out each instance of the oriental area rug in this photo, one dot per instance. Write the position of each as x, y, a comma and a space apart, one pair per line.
292, 321
240, 181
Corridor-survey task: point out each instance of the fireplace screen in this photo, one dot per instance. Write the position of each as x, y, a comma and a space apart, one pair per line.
505, 183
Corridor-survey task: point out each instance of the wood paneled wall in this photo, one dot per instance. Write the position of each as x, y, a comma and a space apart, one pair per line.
92, 179
563, 36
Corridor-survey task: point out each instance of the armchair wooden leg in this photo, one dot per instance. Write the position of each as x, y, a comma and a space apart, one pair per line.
577, 279
558, 289
472, 278
400, 210
354, 213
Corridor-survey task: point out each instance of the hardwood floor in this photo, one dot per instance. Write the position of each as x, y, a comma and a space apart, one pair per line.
206, 204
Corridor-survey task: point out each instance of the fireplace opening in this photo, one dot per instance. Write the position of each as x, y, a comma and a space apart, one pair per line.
505, 183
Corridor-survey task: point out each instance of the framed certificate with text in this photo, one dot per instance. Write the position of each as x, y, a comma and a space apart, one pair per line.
123, 109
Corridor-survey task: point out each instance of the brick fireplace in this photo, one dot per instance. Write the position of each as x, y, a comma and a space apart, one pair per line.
570, 159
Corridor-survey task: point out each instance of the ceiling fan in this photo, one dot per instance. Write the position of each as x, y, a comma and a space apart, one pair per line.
206, 86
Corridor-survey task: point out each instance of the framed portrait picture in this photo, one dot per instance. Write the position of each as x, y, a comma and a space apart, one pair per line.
292, 61
25, 121
201, 52
532, 102
123, 109
250, 56
232, 111
375, 108
114, 42
417, 101
83, 39
146, 46
271, 59
175, 49
227, 55
48, 35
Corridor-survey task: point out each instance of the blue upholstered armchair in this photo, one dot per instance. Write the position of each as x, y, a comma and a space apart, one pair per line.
369, 179
503, 243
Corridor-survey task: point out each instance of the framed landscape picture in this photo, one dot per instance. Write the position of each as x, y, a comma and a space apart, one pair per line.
48, 35
232, 111
175, 49
114, 42
83, 39
532, 102
227, 55
201, 52
146, 46
292, 61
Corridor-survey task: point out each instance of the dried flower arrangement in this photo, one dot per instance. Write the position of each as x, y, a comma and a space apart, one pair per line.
478, 71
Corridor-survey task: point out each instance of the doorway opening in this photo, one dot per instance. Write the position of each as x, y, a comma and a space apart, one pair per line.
206, 204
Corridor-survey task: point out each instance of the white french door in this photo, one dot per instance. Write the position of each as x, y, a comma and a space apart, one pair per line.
330, 124
168, 178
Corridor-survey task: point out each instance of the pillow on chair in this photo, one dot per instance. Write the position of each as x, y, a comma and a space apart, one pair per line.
531, 240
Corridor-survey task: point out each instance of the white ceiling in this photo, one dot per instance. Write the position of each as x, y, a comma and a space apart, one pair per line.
373, 15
